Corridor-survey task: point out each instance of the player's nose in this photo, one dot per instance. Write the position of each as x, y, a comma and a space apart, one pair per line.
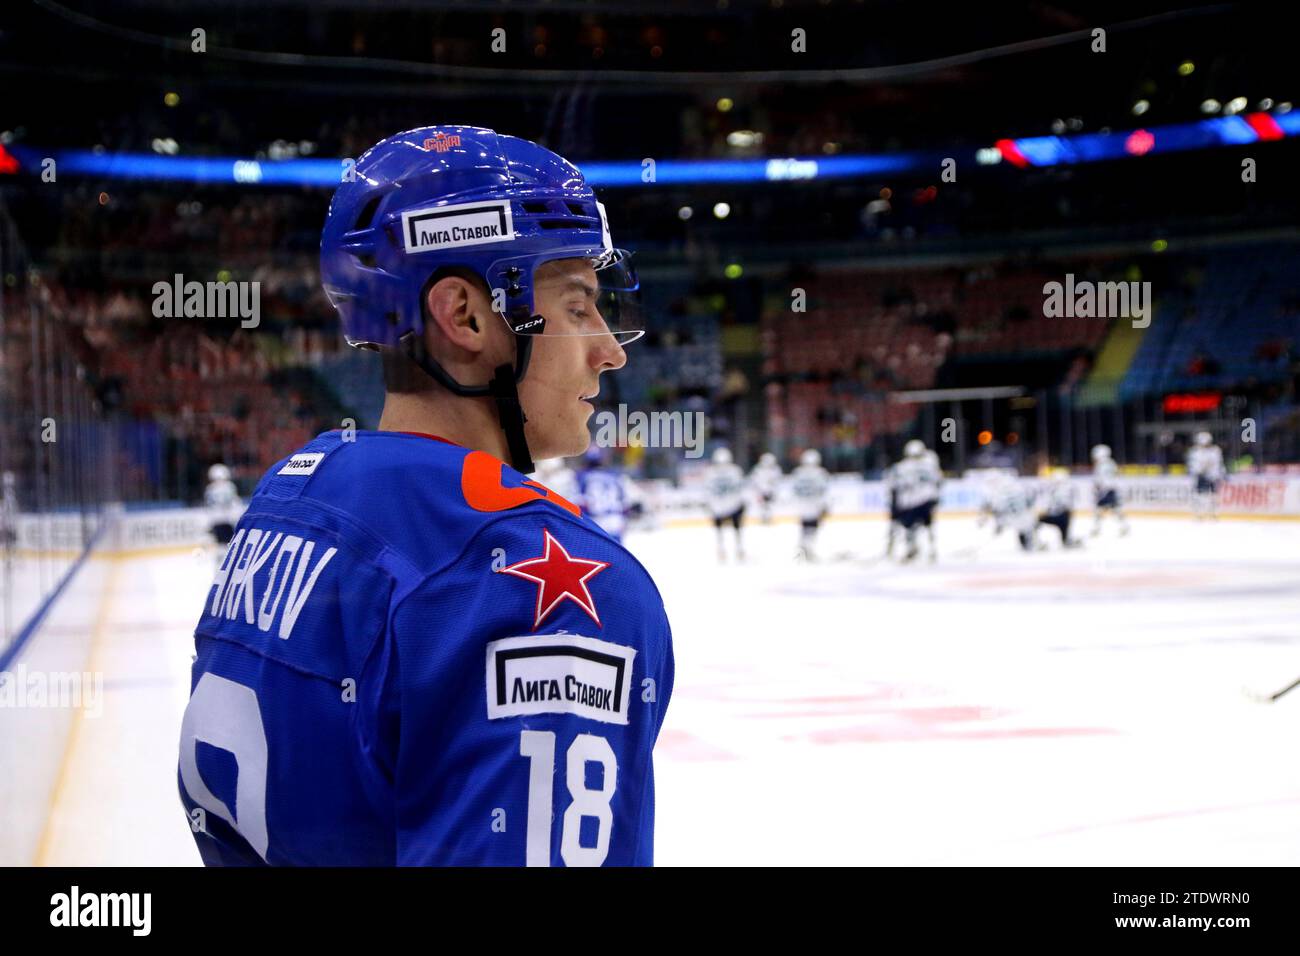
607, 354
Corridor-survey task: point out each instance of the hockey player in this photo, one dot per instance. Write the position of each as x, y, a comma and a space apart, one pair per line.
890, 480
601, 494
1011, 504
811, 485
764, 478
916, 480
223, 504
411, 653
725, 488
1055, 504
8, 521
1205, 465
992, 507
1106, 489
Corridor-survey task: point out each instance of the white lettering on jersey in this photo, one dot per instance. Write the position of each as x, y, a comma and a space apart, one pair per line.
235, 583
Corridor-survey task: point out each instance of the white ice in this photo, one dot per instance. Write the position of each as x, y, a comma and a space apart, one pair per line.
1060, 708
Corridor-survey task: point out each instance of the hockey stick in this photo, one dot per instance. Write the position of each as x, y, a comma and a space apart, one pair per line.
1269, 698
971, 550
845, 557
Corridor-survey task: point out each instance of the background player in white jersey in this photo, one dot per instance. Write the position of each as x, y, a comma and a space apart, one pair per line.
1106, 489
915, 481
8, 521
725, 488
765, 477
1010, 502
811, 485
1055, 503
1205, 465
223, 504
889, 477
995, 489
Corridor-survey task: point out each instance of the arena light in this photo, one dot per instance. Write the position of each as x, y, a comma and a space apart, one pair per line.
1032, 151
1139, 142
1192, 402
721, 210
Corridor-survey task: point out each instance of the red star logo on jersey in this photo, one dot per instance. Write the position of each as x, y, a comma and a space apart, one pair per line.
559, 577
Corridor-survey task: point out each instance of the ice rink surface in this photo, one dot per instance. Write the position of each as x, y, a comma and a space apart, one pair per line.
995, 707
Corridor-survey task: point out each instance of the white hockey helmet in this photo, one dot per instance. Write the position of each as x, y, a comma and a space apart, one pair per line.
767, 458
1203, 438
1100, 452
722, 456
812, 457
218, 472
914, 448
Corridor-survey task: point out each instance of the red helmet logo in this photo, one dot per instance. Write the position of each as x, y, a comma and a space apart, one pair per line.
441, 142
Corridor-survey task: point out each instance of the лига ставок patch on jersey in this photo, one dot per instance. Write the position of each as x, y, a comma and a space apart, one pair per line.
559, 674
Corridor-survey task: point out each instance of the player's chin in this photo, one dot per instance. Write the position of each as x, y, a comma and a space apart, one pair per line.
565, 441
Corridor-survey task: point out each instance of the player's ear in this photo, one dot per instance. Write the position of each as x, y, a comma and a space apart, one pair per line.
453, 307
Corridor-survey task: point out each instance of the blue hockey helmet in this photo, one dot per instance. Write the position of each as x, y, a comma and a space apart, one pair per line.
440, 196
463, 196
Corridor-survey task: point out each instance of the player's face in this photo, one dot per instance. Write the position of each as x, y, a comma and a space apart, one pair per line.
565, 368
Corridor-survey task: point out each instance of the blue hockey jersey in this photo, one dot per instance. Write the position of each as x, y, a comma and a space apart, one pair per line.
413, 655
604, 499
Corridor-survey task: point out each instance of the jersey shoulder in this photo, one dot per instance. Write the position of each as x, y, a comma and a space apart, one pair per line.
411, 496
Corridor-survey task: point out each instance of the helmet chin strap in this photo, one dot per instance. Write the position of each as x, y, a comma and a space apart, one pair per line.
503, 388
